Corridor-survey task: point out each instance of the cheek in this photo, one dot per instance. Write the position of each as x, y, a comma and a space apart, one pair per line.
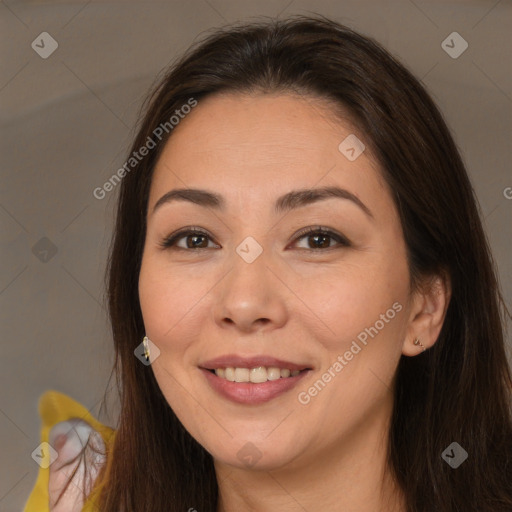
353, 298
160, 303
172, 299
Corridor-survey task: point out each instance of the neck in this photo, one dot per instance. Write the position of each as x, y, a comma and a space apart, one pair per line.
351, 475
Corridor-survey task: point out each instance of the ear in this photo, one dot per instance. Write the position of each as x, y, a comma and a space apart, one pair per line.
427, 314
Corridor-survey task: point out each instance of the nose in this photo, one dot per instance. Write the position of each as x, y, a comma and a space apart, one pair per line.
251, 298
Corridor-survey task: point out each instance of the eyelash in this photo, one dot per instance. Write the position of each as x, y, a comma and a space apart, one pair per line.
170, 241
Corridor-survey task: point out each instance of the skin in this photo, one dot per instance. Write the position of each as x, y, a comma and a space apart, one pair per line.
66, 473
295, 302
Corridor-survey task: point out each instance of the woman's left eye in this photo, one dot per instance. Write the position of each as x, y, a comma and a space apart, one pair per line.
319, 236
198, 239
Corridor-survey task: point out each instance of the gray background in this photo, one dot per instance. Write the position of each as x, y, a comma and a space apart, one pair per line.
66, 124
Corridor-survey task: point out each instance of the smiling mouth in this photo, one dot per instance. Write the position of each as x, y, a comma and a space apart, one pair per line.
256, 375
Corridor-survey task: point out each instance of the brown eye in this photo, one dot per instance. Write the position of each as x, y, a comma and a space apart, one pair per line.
319, 238
194, 239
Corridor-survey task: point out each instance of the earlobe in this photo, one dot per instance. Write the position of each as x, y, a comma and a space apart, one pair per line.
414, 347
427, 316
418, 342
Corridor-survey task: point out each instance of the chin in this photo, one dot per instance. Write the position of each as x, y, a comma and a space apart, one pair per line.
256, 454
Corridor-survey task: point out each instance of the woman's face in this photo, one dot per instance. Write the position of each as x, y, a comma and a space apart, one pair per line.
253, 291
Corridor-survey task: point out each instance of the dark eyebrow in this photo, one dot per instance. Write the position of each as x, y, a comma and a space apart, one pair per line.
287, 202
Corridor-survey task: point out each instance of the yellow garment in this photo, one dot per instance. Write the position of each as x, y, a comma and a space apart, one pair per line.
55, 407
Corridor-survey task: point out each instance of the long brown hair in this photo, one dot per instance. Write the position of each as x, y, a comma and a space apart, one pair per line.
459, 390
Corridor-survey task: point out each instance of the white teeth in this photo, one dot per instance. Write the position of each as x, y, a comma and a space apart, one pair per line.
273, 373
258, 375
229, 374
241, 374
255, 375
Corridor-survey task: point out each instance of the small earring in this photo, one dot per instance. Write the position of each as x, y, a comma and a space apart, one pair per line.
145, 341
418, 342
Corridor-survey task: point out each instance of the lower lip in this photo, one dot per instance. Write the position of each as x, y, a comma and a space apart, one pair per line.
250, 393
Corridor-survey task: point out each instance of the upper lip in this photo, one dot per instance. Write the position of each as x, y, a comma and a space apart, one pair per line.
236, 361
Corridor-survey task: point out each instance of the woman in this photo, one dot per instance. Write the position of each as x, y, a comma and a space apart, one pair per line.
299, 265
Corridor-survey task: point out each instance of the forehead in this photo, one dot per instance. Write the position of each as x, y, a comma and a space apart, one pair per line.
264, 145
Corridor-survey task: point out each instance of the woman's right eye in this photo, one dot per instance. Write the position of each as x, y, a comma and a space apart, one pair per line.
194, 239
